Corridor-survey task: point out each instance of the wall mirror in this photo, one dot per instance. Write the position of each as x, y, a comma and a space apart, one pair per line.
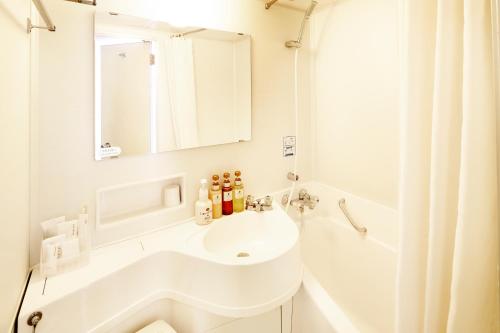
161, 88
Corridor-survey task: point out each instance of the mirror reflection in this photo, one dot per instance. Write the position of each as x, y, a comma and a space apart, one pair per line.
162, 88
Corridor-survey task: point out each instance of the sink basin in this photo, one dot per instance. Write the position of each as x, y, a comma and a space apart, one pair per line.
251, 261
250, 237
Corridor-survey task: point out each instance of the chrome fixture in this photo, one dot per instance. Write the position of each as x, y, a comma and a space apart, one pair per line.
359, 228
292, 176
269, 3
259, 205
304, 200
46, 18
298, 42
85, 2
34, 319
182, 34
284, 199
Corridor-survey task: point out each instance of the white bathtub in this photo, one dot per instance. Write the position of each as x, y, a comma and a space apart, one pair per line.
349, 283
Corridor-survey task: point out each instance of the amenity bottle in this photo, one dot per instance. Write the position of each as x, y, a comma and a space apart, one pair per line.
238, 194
216, 197
227, 196
203, 207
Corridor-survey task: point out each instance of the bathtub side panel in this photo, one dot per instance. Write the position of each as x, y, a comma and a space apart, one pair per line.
306, 315
358, 271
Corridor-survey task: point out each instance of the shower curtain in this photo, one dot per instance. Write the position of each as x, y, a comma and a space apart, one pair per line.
181, 82
447, 268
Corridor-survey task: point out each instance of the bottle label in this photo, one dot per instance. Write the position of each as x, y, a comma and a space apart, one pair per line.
216, 198
238, 194
228, 196
206, 215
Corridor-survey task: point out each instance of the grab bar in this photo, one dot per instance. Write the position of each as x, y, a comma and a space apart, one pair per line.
360, 229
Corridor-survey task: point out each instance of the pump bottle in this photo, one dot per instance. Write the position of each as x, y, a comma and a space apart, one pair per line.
203, 207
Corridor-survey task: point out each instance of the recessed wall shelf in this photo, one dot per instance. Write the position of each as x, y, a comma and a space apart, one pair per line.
128, 203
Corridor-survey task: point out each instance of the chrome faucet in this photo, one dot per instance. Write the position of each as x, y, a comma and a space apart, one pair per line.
304, 200
259, 205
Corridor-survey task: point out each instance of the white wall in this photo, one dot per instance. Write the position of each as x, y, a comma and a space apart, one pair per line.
356, 95
496, 43
68, 176
14, 155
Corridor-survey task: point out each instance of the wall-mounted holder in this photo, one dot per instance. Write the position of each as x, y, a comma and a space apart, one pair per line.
45, 16
65, 245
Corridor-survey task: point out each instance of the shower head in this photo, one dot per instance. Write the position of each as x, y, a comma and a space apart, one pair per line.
298, 42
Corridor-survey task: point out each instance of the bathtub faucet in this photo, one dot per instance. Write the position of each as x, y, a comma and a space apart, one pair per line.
305, 200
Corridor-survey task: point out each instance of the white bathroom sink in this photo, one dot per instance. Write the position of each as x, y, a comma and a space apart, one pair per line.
251, 261
248, 237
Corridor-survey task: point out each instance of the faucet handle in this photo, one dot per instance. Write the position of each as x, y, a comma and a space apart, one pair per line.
303, 194
313, 201
250, 202
260, 204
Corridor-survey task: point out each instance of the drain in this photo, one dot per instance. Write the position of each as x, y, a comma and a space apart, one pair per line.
243, 254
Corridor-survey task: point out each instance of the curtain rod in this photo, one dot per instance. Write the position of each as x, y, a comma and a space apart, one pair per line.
45, 16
